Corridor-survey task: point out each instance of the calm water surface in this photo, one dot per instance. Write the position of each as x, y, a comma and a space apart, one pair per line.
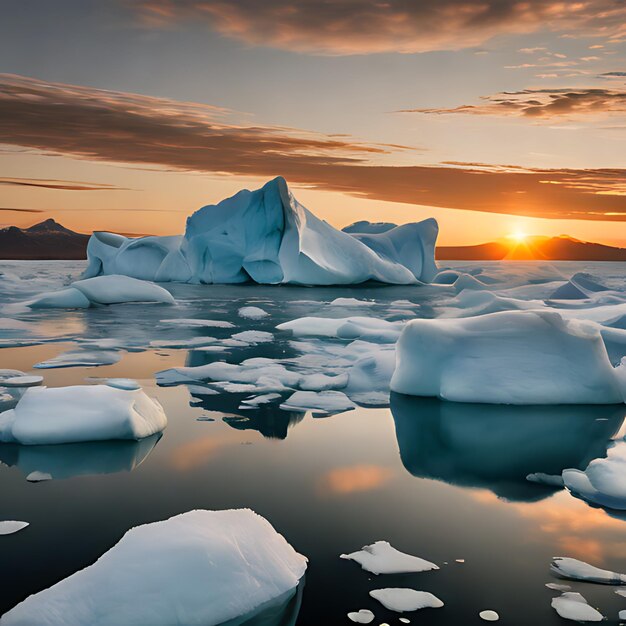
443, 481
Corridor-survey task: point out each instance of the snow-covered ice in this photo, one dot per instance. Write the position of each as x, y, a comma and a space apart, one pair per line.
382, 558
268, 237
567, 567
252, 312
511, 357
489, 616
8, 527
200, 567
401, 599
363, 616
22, 381
81, 413
326, 402
573, 606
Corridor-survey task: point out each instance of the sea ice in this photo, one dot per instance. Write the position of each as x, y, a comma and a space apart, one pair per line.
365, 328
404, 599
350, 302
512, 357
253, 336
382, 558
364, 616
571, 605
8, 527
557, 587
579, 286
80, 358
80, 413
322, 401
567, 567
194, 323
200, 567
21, 381
252, 312
268, 237
489, 616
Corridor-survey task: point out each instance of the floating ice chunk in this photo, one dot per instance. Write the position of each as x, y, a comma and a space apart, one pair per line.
201, 567
252, 312
195, 323
621, 592
366, 328
253, 336
364, 616
80, 358
322, 382
382, 558
571, 605
197, 390
8, 527
69, 298
174, 344
127, 384
322, 401
350, 302
489, 616
81, 413
404, 599
567, 567
557, 587
38, 477
513, 357
404, 620
22, 381
265, 398
622, 615
545, 479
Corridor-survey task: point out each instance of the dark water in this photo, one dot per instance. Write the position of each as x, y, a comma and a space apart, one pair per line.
443, 481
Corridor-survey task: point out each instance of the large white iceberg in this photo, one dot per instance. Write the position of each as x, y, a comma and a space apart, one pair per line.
510, 357
268, 237
81, 413
201, 567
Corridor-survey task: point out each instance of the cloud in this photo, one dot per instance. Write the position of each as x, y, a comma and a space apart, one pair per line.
12, 209
109, 126
65, 185
354, 478
340, 27
543, 103
613, 74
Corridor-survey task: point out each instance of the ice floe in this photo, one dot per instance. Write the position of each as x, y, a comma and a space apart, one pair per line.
363, 616
323, 402
80, 358
489, 616
81, 413
38, 477
201, 567
8, 527
567, 567
21, 381
401, 599
557, 587
573, 606
512, 357
198, 323
382, 558
268, 237
252, 313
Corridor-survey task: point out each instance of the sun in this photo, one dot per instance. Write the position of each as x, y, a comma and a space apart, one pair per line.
518, 236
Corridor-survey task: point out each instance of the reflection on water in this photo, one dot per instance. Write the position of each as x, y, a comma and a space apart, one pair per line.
497, 446
78, 459
281, 611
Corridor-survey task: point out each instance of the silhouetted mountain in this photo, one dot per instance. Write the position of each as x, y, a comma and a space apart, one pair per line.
46, 240
562, 248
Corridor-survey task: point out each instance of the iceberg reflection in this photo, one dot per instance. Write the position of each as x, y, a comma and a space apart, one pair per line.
497, 446
78, 459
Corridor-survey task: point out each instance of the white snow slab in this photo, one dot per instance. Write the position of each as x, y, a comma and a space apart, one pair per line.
489, 616
571, 605
351, 328
512, 357
253, 336
38, 477
382, 558
322, 401
364, 616
81, 413
8, 527
195, 323
201, 567
252, 312
401, 599
567, 567
22, 381
80, 358
266, 235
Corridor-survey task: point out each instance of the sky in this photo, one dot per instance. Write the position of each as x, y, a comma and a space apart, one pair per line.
493, 116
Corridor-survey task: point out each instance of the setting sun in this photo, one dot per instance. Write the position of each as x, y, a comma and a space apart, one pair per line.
518, 236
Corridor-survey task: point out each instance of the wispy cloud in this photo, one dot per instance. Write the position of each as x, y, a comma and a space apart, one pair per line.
543, 103
367, 26
65, 185
16, 210
120, 127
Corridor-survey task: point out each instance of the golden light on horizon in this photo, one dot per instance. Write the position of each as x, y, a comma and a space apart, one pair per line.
518, 236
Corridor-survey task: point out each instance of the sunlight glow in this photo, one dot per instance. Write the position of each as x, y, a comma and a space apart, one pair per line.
518, 236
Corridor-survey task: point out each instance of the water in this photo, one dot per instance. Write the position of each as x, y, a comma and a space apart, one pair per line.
443, 481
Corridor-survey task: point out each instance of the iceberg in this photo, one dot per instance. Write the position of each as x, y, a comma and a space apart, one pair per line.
268, 237
383, 558
509, 357
81, 413
200, 567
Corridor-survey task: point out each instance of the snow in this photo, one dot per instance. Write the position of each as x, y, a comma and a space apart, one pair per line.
364, 616
571, 605
252, 313
326, 402
382, 558
489, 616
200, 567
8, 527
579, 286
567, 567
510, 357
268, 237
404, 599
81, 413
80, 358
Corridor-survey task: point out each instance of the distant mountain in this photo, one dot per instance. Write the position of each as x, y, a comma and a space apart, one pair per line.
562, 248
47, 240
